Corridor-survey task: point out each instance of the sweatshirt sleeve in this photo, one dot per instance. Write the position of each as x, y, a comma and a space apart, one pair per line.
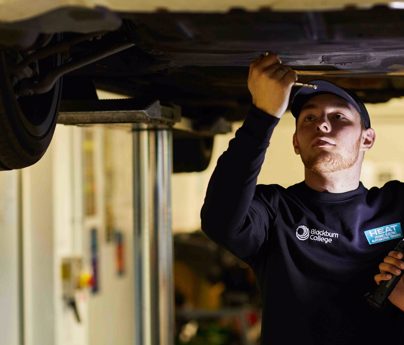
231, 215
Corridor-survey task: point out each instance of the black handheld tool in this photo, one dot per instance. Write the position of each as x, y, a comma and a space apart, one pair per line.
378, 297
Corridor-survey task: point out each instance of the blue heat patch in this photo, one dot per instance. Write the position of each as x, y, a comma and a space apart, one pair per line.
384, 233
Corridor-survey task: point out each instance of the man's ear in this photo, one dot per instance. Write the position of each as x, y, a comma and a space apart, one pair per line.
368, 139
296, 144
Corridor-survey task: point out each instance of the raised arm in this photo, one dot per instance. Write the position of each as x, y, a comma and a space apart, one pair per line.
232, 215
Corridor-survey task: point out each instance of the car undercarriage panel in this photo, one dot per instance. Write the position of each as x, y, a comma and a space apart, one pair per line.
200, 60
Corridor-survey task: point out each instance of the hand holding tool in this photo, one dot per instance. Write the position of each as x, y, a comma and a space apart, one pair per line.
378, 297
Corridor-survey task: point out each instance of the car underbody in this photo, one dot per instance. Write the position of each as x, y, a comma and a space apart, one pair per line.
198, 61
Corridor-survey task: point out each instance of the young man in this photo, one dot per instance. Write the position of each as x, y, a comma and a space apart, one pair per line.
318, 246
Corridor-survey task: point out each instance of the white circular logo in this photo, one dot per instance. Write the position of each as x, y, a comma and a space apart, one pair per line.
302, 232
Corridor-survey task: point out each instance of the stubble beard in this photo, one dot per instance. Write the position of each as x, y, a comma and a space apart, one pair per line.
328, 162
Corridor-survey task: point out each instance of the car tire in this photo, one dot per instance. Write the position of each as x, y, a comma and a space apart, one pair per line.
192, 154
27, 124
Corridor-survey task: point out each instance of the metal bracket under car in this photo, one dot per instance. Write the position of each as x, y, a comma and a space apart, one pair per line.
120, 111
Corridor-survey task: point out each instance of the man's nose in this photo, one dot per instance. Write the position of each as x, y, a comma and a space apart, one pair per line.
323, 125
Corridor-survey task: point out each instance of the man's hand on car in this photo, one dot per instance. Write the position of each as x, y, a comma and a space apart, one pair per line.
270, 83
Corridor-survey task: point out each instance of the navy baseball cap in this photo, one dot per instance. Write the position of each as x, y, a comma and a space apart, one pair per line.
303, 94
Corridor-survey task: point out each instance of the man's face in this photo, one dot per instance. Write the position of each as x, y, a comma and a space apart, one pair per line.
329, 135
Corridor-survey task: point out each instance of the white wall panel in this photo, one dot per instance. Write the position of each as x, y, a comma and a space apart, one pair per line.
9, 259
38, 258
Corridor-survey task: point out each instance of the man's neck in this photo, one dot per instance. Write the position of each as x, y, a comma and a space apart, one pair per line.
336, 182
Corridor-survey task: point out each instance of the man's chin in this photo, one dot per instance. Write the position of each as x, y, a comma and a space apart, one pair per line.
326, 163
322, 168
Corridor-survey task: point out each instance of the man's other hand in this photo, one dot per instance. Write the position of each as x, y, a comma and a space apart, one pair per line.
392, 265
270, 84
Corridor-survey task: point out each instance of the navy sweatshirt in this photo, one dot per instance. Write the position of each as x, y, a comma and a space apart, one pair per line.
314, 253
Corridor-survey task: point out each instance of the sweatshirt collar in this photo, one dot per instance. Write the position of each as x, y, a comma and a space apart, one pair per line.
327, 196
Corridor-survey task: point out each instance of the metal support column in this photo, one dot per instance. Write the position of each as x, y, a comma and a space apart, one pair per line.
153, 253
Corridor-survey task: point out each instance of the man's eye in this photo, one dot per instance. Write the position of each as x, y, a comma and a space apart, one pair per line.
309, 118
339, 116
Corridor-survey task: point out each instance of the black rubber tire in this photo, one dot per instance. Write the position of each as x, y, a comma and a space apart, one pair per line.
27, 124
192, 154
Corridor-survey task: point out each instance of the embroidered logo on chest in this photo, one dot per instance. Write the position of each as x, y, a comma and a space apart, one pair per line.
384, 233
303, 233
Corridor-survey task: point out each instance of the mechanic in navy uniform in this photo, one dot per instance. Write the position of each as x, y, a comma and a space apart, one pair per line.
318, 246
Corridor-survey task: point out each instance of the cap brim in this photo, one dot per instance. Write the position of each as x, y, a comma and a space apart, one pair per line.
304, 94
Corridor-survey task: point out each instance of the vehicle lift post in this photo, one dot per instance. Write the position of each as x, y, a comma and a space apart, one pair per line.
153, 253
